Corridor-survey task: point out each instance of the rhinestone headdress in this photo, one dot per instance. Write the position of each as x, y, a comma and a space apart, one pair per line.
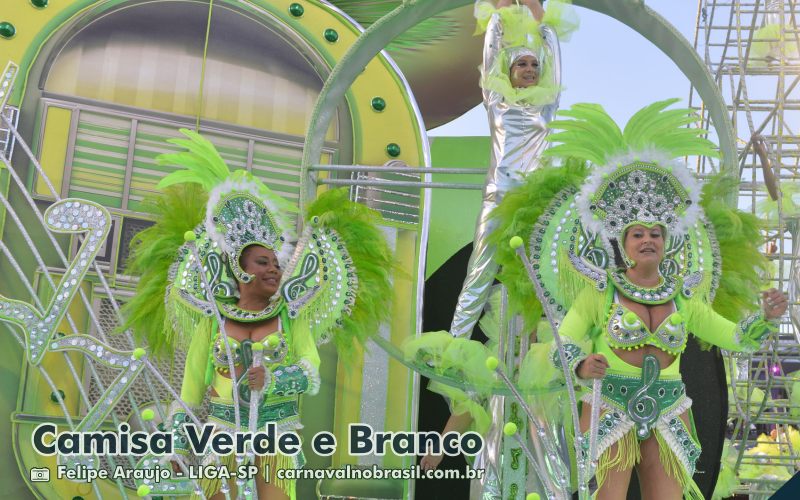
241, 212
639, 192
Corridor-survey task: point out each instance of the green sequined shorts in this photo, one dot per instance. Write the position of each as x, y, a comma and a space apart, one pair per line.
629, 405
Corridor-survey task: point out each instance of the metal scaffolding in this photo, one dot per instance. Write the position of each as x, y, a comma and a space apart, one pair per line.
751, 49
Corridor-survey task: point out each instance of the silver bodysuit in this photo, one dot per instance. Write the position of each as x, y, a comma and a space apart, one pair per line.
518, 139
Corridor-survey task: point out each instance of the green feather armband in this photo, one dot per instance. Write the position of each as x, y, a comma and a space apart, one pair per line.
751, 331
295, 379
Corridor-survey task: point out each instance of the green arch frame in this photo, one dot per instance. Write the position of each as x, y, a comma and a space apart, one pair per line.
633, 13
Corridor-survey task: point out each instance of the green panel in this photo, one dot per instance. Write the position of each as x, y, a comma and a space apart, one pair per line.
278, 165
454, 211
150, 141
99, 158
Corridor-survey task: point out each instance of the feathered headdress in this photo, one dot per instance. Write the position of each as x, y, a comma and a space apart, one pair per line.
336, 282
594, 152
241, 211
636, 179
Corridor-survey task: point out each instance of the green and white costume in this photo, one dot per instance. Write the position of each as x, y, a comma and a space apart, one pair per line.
634, 180
335, 285
600, 180
637, 401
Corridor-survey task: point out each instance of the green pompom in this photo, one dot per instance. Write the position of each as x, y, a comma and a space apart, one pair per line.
491, 363
532, 496
515, 242
189, 236
138, 353
675, 319
258, 346
510, 429
143, 490
273, 341
630, 318
148, 415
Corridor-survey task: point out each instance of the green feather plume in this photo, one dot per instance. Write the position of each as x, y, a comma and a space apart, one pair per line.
744, 267
593, 135
202, 163
153, 251
358, 227
517, 214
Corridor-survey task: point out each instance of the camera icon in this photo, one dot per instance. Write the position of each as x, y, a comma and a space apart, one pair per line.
40, 475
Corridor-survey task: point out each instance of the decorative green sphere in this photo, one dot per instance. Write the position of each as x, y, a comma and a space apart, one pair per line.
258, 346
532, 496
515, 242
393, 150
331, 35
296, 10
7, 30
675, 319
54, 396
148, 415
630, 318
491, 363
143, 490
138, 353
378, 104
510, 429
39, 4
273, 341
189, 236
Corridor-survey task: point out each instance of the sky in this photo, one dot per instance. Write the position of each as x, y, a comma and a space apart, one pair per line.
608, 63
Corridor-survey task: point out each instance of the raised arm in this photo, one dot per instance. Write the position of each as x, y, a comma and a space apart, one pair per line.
534, 5
492, 43
552, 49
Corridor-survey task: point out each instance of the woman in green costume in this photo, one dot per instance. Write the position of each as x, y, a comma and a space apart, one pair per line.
644, 412
647, 265
247, 306
631, 254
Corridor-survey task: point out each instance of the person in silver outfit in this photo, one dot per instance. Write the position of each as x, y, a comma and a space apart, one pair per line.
518, 132
519, 115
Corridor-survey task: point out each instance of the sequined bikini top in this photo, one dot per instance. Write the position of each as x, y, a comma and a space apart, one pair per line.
219, 354
626, 330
